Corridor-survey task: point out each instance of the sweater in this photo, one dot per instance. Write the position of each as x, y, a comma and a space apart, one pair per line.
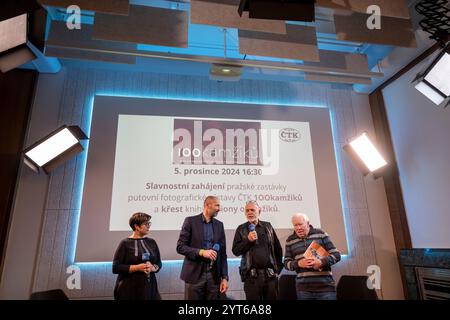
309, 279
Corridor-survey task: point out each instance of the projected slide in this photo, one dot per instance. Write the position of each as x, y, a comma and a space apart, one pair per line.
167, 165
163, 157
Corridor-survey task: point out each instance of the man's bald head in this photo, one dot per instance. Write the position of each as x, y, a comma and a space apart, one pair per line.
209, 199
211, 207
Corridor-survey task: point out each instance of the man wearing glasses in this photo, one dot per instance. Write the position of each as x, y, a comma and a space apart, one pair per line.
261, 261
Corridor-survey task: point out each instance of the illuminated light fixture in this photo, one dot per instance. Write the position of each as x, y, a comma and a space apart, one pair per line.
364, 154
223, 72
54, 149
294, 10
22, 31
434, 82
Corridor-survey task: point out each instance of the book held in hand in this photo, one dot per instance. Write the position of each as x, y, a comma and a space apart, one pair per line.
315, 250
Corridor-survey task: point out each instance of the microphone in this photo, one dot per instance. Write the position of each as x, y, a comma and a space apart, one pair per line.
145, 259
252, 228
216, 248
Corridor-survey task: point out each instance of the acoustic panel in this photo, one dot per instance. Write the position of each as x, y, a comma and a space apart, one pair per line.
389, 8
104, 6
341, 60
299, 42
223, 13
394, 31
145, 25
348, 62
13, 32
75, 44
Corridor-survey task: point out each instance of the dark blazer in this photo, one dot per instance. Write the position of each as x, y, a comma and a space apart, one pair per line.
189, 244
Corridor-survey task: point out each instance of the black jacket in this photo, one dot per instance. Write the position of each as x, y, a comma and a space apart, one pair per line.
191, 241
242, 246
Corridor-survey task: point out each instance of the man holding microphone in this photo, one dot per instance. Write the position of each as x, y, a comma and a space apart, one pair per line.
203, 245
261, 261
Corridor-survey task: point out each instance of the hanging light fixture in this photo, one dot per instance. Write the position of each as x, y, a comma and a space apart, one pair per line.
364, 154
434, 81
54, 149
225, 71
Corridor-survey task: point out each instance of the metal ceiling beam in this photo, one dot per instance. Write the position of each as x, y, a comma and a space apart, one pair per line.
235, 62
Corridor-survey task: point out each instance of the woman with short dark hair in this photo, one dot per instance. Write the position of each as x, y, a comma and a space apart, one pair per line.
136, 261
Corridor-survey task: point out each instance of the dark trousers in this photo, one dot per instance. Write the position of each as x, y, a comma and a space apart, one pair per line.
261, 287
308, 295
207, 288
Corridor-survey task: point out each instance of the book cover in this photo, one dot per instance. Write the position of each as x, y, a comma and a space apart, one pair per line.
315, 250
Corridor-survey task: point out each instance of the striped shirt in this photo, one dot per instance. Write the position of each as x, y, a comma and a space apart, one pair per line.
309, 279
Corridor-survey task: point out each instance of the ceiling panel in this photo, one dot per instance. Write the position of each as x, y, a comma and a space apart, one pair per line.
341, 60
145, 25
224, 13
327, 50
352, 63
299, 42
394, 31
65, 43
389, 8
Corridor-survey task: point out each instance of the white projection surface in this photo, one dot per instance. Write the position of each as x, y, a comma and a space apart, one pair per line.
163, 157
237, 160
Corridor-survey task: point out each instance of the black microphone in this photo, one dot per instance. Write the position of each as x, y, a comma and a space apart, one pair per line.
251, 228
146, 258
216, 248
